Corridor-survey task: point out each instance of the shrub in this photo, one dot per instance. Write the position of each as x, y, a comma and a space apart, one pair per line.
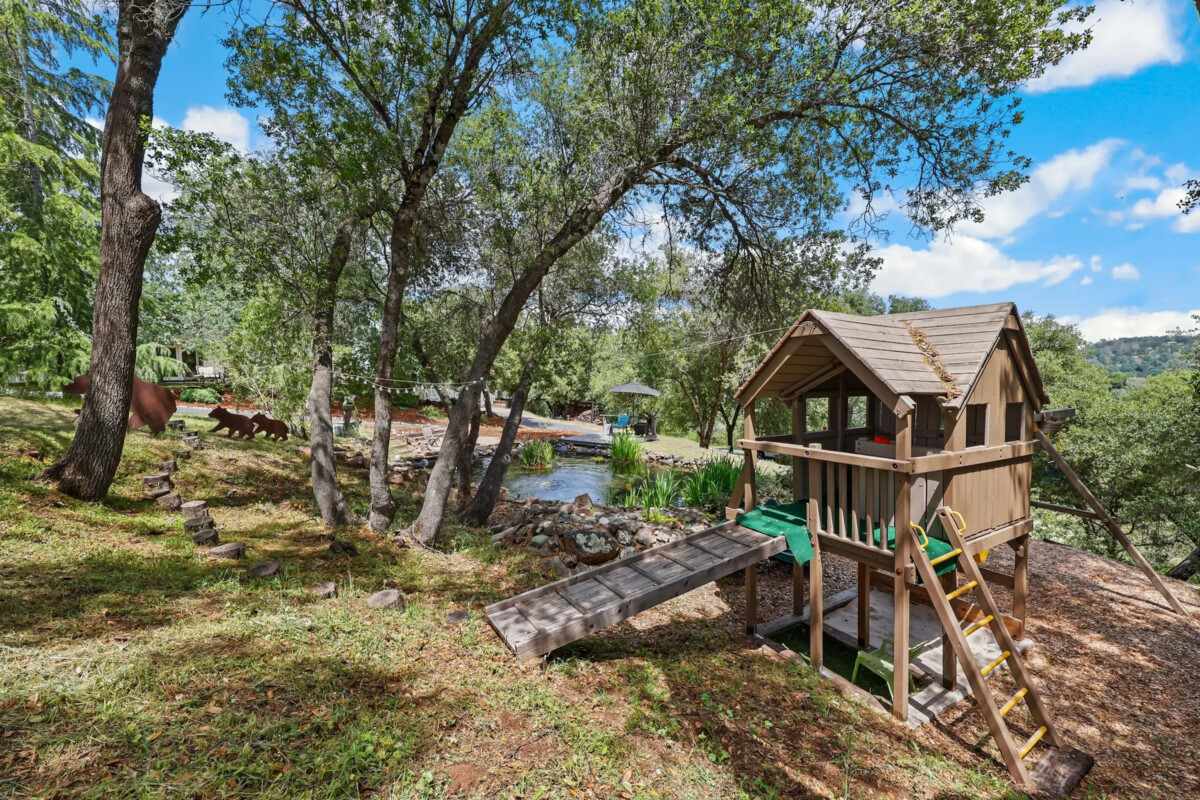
405, 400
537, 455
710, 487
626, 449
200, 395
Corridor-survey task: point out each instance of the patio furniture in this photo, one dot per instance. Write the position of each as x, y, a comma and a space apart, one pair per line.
880, 662
622, 424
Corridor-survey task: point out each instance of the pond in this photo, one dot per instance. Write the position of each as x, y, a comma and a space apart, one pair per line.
567, 478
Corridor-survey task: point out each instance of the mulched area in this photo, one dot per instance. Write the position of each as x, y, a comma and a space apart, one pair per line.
1115, 665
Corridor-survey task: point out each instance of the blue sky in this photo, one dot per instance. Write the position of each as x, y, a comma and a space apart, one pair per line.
1094, 237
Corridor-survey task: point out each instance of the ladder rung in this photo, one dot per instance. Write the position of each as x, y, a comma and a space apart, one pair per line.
966, 587
1037, 737
1003, 657
946, 557
982, 623
1016, 698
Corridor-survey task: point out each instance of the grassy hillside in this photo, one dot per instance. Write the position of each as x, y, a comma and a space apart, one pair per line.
1143, 356
132, 664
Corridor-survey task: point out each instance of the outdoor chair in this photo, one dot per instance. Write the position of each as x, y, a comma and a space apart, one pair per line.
622, 424
880, 662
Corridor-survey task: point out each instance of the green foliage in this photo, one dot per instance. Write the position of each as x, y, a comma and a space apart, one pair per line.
1143, 356
625, 449
710, 487
266, 357
538, 454
153, 362
655, 490
202, 394
49, 187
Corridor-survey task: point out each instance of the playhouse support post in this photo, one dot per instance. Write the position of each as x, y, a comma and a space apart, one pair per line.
816, 600
1020, 581
903, 559
949, 660
864, 606
751, 598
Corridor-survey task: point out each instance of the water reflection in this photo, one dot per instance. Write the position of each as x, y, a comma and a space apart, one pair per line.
567, 478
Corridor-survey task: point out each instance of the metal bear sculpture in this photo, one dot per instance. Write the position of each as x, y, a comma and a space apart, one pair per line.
150, 405
236, 423
272, 428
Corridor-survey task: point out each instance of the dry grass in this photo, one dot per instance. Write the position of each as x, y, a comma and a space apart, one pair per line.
133, 665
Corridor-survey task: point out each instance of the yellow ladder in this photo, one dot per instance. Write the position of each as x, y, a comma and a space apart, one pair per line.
1012, 753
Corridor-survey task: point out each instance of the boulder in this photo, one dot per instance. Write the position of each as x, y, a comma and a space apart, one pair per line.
266, 569
541, 540
592, 546
324, 590
557, 566
645, 537
388, 598
570, 561
234, 550
583, 501
506, 536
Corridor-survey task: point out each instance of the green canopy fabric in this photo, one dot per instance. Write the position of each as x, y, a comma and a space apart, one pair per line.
791, 522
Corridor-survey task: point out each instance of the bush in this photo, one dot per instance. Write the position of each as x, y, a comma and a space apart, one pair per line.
537, 455
658, 491
710, 487
405, 400
626, 449
200, 395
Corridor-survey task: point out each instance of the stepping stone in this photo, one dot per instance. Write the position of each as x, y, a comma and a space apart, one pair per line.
234, 550
181, 455
194, 509
458, 617
388, 598
324, 590
206, 536
154, 494
168, 466
197, 523
266, 569
176, 424
171, 501
343, 548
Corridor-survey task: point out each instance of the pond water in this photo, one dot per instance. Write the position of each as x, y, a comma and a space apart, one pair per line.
567, 478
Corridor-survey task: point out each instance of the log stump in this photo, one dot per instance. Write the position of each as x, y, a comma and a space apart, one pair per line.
170, 501
194, 509
169, 467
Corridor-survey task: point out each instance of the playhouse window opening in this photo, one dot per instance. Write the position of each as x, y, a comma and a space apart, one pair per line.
977, 422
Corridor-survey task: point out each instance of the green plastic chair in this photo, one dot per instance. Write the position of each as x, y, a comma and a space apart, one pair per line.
880, 662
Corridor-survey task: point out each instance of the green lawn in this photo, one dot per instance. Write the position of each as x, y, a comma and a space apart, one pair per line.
134, 665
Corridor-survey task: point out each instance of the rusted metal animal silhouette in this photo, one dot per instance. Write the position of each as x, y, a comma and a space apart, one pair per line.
150, 405
272, 428
235, 423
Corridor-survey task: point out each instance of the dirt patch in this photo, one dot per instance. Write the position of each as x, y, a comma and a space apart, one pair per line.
464, 777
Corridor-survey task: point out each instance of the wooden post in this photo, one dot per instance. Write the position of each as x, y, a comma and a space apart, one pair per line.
1109, 522
816, 601
864, 606
751, 598
841, 413
903, 559
1020, 581
949, 661
749, 495
797, 588
798, 424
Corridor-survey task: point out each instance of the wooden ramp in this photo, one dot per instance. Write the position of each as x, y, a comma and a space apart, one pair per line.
538, 621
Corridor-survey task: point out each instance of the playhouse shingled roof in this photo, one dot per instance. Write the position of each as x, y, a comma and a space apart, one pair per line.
939, 352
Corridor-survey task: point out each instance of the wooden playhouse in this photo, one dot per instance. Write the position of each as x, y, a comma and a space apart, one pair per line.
912, 440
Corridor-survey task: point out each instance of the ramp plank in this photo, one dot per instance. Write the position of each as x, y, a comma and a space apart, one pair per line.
538, 621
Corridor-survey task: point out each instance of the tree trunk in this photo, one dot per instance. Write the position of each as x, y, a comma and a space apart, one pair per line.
581, 222
466, 457
487, 403
730, 424
128, 222
383, 507
327, 490
1184, 569
488, 491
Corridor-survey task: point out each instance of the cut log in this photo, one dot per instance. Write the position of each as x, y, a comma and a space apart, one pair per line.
170, 501
233, 550
168, 466
206, 536
195, 508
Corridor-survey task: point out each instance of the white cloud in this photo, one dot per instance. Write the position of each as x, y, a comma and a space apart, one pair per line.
1126, 272
1073, 170
1113, 323
1087, 281
158, 189
224, 123
966, 264
1127, 38
1094, 263
1165, 205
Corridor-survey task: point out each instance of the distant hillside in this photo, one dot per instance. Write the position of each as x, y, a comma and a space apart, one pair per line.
1143, 356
